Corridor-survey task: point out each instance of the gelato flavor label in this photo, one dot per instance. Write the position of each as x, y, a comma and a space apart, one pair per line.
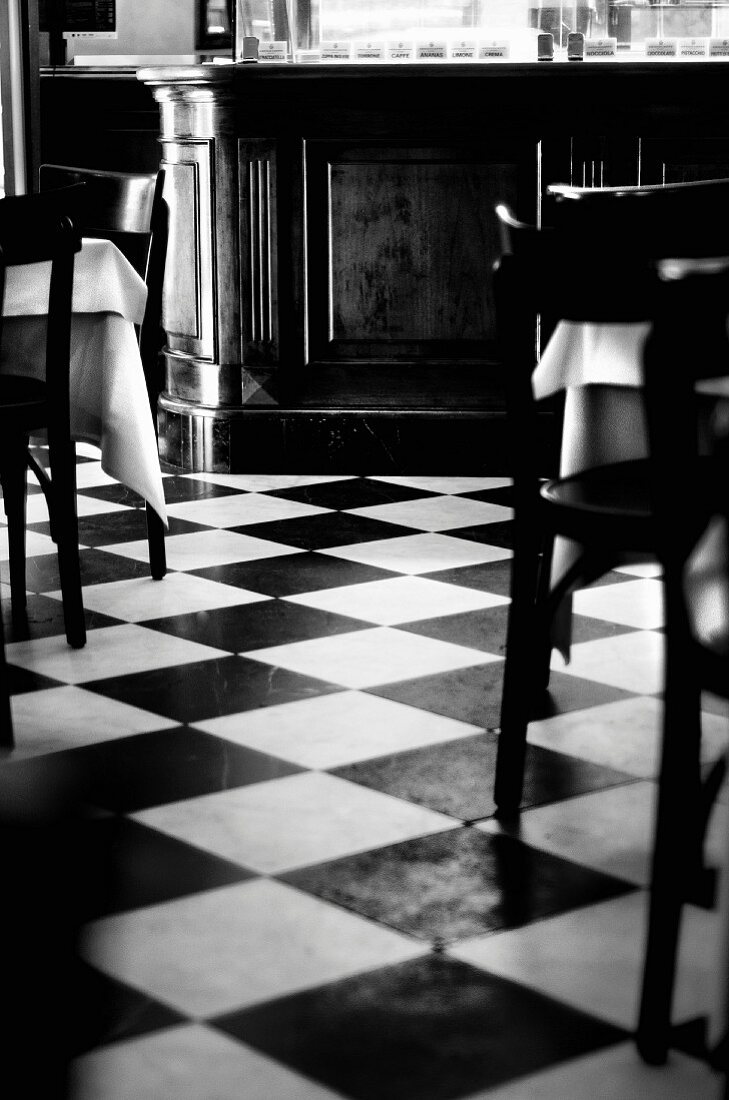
601, 47
661, 47
719, 47
497, 47
273, 51
463, 51
400, 51
369, 51
692, 47
431, 51
336, 51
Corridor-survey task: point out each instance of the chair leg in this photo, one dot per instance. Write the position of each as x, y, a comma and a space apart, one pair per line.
676, 855
14, 494
6, 719
63, 473
543, 647
518, 679
156, 540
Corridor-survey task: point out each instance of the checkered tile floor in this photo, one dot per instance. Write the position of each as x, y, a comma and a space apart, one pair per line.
290, 742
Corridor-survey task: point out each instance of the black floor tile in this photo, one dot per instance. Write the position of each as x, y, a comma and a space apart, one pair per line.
179, 490
503, 495
486, 629
140, 866
129, 525
257, 625
450, 886
354, 493
113, 1011
43, 618
492, 576
292, 574
432, 1029
21, 680
97, 567
323, 531
474, 694
492, 534
467, 694
115, 493
150, 769
457, 777
207, 689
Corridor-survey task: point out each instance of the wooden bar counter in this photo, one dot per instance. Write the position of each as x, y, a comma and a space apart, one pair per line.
329, 298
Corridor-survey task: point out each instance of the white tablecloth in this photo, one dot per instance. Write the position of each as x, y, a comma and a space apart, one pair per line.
109, 402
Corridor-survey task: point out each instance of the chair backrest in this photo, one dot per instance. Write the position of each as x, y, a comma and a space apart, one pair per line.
35, 229
593, 261
117, 205
688, 344
652, 222
127, 208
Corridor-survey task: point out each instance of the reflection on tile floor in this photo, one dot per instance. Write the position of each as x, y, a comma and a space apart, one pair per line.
285, 752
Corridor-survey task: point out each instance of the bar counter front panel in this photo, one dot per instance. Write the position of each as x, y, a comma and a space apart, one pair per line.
329, 296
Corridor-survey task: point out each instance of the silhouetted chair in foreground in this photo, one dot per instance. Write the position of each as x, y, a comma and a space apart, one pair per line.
689, 494
561, 273
128, 209
33, 229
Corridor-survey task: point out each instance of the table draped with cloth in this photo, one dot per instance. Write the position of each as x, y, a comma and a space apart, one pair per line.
600, 369
109, 401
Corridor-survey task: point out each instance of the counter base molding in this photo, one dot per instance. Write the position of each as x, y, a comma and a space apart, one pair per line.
306, 441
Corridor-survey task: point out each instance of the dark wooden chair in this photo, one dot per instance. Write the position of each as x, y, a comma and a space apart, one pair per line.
36, 228
688, 343
128, 209
592, 263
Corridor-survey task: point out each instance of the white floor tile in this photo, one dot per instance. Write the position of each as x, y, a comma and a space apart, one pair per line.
613, 1074
178, 594
283, 824
592, 958
399, 600
241, 508
191, 1062
200, 549
332, 730
365, 658
36, 545
109, 651
261, 483
609, 830
449, 484
67, 717
440, 513
419, 553
643, 569
36, 510
89, 475
624, 735
632, 661
224, 949
632, 603
88, 450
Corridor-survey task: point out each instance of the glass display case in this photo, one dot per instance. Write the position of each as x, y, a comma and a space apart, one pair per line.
306, 24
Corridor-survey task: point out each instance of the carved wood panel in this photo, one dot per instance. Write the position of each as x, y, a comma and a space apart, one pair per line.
401, 245
188, 303
258, 251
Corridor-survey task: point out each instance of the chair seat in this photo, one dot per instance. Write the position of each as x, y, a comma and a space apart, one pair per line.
22, 402
612, 501
613, 492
